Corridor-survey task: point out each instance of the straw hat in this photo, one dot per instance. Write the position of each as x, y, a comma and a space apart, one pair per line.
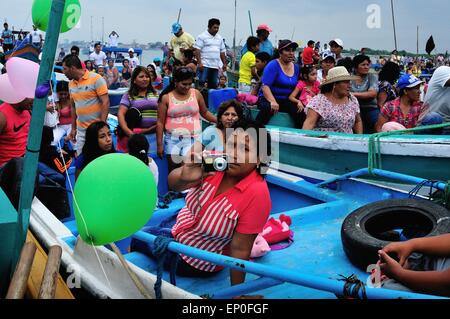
339, 74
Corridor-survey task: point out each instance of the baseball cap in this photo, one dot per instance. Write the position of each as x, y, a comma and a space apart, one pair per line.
339, 42
176, 27
328, 55
408, 81
157, 59
264, 27
131, 50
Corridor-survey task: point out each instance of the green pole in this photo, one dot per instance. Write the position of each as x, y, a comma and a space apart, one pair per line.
37, 121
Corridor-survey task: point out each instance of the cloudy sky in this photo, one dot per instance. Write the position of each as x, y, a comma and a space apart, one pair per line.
321, 20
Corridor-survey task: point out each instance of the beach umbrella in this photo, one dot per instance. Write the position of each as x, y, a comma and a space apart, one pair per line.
430, 45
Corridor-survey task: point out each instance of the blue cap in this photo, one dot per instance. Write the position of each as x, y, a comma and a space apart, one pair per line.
157, 59
176, 27
408, 81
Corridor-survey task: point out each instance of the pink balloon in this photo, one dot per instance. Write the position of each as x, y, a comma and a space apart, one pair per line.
7, 92
23, 75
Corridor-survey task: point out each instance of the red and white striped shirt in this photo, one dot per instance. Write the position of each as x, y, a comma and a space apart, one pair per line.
208, 222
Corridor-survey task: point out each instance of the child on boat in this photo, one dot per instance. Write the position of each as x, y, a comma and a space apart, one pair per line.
138, 147
133, 118
428, 273
307, 87
247, 70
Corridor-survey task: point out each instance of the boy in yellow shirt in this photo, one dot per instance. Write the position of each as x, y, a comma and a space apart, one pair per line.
247, 69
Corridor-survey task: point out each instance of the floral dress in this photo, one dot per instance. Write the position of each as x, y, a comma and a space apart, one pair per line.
339, 118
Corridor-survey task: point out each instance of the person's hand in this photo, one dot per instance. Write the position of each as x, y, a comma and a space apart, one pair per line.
224, 68
200, 67
73, 135
402, 250
275, 107
300, 107
160, 151
389, 266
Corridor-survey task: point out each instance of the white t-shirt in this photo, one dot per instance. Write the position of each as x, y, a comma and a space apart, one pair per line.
113, 40
35, 36
211, 47
154, 169
438, 95
97, 58
134, 62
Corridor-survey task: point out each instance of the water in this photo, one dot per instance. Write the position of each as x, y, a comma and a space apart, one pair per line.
146, 59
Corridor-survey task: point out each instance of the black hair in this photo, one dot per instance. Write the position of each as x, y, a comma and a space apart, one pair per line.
75, 48
133, 92
357, 60
347, 63
305, 71
96, 44
252, 42
133, 118
263, 141
138, 147
189, 54
213, 22
62, 86
327, 88
390, 72
47, 137
310, 42
224, 107
91, 149
179, 75
72, 60
260, 32
263, 56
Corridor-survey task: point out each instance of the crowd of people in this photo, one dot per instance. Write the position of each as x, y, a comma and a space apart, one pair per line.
320, 90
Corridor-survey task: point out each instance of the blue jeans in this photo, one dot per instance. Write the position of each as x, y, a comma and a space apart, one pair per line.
432, 118
209, 75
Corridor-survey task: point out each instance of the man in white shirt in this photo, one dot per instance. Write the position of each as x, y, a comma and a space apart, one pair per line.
134, 61
438, 93
36, 37
98, 56
211, 55
114, 39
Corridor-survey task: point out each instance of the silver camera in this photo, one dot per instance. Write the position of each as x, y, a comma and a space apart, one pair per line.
215, 162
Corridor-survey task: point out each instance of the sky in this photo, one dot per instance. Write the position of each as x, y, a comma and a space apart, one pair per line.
300, 20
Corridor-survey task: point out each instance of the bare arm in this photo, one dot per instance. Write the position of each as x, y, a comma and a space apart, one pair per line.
115, 75
241, 248
358, 127
162, 114
2, 122
105, 107
223, 57
198, 56
187, 176
293, 96
371, 94
311, 120
204, 112
73, 133
381, 121
381, 99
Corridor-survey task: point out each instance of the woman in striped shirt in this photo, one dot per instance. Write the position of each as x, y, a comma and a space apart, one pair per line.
224, 211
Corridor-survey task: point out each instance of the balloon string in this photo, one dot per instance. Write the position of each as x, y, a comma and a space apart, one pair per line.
78, 207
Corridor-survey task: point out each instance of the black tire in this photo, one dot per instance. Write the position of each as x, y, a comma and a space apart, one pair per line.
369, 228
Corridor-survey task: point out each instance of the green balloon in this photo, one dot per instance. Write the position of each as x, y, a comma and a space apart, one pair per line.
41, 13
114, 197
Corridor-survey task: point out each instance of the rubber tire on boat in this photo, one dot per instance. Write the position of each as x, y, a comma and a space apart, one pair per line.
361, 247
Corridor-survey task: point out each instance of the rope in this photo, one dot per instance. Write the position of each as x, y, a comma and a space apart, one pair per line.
375, 143
352, 287
160, 251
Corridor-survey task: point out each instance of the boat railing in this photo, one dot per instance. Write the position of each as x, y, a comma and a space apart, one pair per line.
387, 174
274, 276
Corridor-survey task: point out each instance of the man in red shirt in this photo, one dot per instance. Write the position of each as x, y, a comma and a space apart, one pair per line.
309, 56
14, 126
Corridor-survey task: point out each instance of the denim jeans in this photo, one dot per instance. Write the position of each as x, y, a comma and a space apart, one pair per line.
369, 117
208, 75
432, 118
